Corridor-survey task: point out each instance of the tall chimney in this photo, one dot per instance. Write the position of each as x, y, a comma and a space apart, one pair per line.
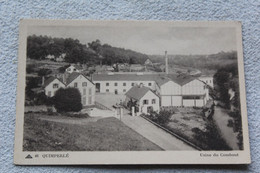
166, 63
43, 80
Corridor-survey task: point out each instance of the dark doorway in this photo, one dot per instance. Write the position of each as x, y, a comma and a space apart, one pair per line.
98, 87
149, 109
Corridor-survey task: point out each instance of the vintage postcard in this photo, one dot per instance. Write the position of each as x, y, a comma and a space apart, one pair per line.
130, 92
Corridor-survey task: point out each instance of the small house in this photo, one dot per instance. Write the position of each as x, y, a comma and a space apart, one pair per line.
148, 62
51, 85
142, 99
74, 68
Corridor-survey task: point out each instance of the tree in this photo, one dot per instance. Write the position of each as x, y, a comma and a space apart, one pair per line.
44, 72
95, 45
131, 61
67, 100
63, 69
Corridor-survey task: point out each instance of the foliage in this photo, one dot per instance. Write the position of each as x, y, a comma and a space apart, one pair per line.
162, 118
237, 127
62, 69
44, 72
210, 62
30, 68
67, 100
38, 47
33, 82
227, 78
211, 138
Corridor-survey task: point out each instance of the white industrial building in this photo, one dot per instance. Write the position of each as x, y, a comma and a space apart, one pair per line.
172, 90
120, 83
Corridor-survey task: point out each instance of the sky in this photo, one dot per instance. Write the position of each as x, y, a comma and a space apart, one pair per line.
148, 39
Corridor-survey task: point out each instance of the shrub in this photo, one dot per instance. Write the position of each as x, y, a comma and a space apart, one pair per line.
67, 100
162, 118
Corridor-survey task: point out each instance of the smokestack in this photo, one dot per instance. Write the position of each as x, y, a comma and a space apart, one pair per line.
43, 80
166, 63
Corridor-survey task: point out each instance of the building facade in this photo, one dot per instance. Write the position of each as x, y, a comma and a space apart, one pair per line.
75, 80
208, 80
85, 87
120, 83
172, 90
145, 101
51, 85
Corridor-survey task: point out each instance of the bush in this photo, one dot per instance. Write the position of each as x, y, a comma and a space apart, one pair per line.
67, 100
162, 118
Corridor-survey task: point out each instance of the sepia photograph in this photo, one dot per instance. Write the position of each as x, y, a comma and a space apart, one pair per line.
128, 86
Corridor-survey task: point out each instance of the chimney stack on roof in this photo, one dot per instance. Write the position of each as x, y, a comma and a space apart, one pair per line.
166, 63
141, 85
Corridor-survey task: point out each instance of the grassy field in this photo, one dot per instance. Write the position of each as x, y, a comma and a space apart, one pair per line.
108, 134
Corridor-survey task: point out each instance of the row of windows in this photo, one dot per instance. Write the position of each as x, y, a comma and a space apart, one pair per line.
84, 92
124, 84
84, 84
146, 102
208, 81
116, 91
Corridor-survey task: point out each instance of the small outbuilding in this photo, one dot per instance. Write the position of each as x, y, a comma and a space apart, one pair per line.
74, 68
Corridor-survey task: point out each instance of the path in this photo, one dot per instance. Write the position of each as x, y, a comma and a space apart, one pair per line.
156, 135
221, 118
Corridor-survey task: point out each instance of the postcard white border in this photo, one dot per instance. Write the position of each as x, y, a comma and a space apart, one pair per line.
125, 157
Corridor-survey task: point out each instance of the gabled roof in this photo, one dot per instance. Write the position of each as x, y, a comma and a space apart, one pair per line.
73, 76
49, 80
160, 79
148, 61
137, 92
181, 80
125, 77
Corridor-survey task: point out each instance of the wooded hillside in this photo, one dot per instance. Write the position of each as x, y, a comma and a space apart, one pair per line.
39, 47
211, 62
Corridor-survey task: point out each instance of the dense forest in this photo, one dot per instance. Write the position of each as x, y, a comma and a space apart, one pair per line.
211, 62
39, 47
